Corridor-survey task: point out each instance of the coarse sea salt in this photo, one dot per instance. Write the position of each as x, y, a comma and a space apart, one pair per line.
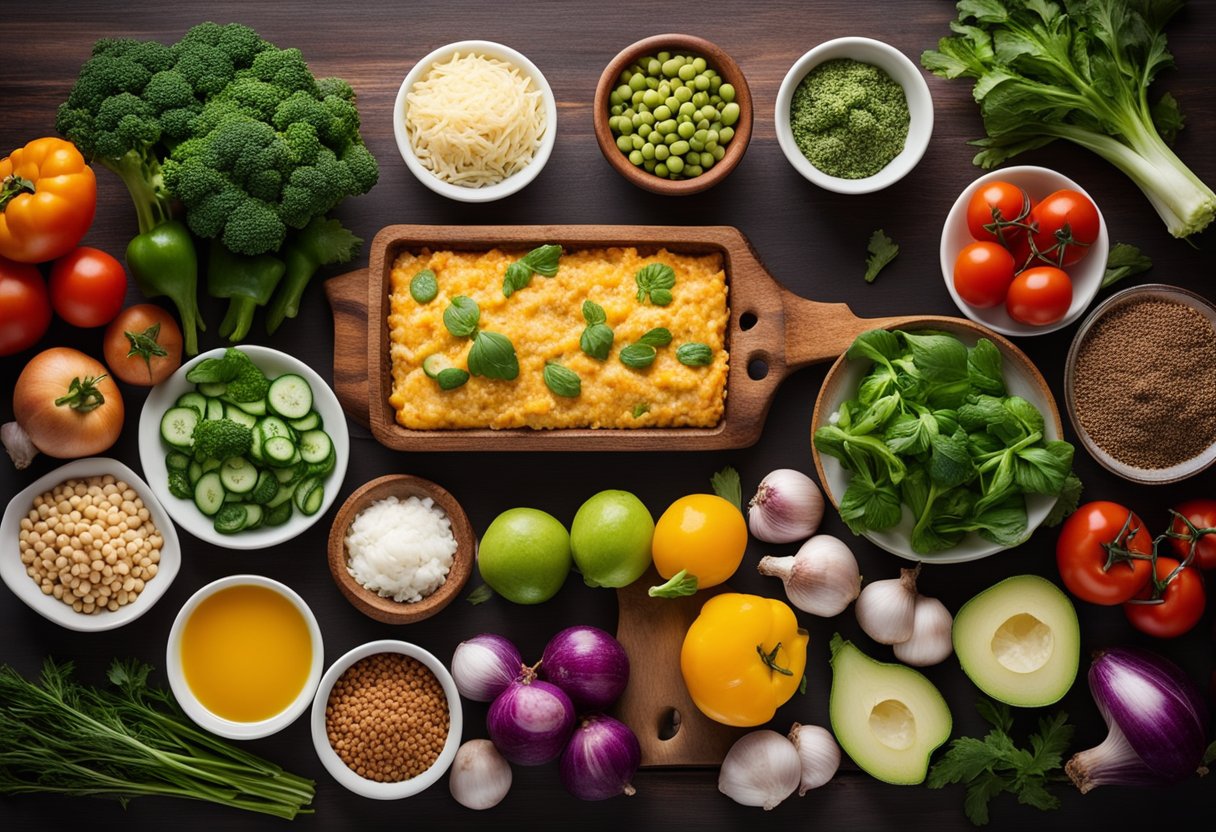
401, 549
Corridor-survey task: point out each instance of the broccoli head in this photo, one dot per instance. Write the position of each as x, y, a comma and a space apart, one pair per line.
221, 439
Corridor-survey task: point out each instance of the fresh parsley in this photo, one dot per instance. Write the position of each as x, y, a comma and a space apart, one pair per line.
424, 287
462, 316
562, 381
1124, 260
655, 280
994, 764
493, 356
882, 250
694, 354
541, 260
726, 484
597, 338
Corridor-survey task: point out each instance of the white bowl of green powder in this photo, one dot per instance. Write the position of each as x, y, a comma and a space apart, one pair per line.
854, 115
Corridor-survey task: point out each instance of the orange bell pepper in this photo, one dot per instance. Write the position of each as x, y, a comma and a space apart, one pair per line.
743, 658
48, 195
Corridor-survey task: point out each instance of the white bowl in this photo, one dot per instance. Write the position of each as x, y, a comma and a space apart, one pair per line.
1086, 276
339, 770
152, 450
901, 69
196, 710
512, 183
1019, 381
12, 570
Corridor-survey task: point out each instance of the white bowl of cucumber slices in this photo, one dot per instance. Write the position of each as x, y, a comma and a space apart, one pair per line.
244, 451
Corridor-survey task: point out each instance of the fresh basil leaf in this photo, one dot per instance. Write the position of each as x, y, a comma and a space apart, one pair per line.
543, 259
424, 287
637, 356
1125, 260
493, 356
950, 461
984, 368
1026, 413
1043, 470
657, 337
462, 316
940, 358
596, 341
866, 505
882, 250
562, 381
727, 485
1066, 503
655, 280
517, 277
879, 345
593, 313
694, 354
451, 378
661, 297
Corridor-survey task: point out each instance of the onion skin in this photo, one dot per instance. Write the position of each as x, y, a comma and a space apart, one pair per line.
1157, 720
601, 758
61, 431
530, 722
484, 666
588, 664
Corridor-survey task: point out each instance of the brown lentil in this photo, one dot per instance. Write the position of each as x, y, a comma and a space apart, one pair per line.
1145, 383
90, 543
387, 717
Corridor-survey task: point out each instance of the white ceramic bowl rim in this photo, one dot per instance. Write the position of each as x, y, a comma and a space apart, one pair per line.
13, 571
196, 710
1086, 276
901, 69
511, 184
333, 763
152, 451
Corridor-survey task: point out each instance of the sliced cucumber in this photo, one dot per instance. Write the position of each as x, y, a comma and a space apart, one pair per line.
211, 465
308, 495
255, 446
209, 494
325, 466
215, 410
284, 495
272, 426
238, 475
231, 519
254, 408
310, 422
266, 488
312, 503
179, 485
253, 516
279, 450
315, 446
177, 461
435, 364
287, 474
194, 472
213, 389
239, 416
290, 396
194, 400
278, 515
177, 426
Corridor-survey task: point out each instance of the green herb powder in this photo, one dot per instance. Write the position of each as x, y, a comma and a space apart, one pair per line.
849, 118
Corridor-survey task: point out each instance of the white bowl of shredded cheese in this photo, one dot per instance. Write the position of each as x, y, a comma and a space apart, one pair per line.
475, 121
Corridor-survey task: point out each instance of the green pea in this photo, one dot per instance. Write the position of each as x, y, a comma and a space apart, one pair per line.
616, 109
699, 64
661, 152
702, 135
687, 108
649, 165
679, 148
637, 81
663, 56
666, 126
687, 72
626, 74
635, 157
693, 170
614, 98
629, 112
675, 164
612, 123
719, 151
715, 83
636, 121
644, 130
648, 150
686, 130
727, 92
716, 101
725, 135
672, 103
651, 98
671, 67
671, 138
660, 170
703, 124
654, 66
624, 126
663, 88
730, 114
707, 160
701, 83
652, 83
624, 144
648, 119
711, 136
638, 141
624, 91
700, 99
662, 112
682, 94
696, 145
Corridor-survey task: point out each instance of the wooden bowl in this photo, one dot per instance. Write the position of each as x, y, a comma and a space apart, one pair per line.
719, 61
373, 605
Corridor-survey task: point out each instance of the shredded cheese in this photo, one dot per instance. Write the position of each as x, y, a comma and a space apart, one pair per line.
473, 120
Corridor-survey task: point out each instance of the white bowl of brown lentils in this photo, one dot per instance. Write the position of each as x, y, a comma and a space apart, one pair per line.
88, 546
386, 720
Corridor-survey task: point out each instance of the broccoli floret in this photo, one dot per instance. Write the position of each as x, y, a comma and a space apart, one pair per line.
254, 228
221, 439
250, 384
286, 69
335, 86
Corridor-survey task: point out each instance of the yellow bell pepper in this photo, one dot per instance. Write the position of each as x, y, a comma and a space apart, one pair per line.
743, 658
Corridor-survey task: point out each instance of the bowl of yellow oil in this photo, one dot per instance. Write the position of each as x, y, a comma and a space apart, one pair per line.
244, 657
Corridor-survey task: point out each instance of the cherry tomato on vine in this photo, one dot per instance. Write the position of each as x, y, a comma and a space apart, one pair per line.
25, 309
1066, 224
994, 205
1181, 606
1202, 514
1039, 296
1082, 556
88, 287
982, 274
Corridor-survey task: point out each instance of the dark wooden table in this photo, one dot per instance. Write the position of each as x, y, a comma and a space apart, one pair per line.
813, 241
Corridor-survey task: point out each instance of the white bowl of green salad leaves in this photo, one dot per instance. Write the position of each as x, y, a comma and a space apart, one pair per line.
853, 115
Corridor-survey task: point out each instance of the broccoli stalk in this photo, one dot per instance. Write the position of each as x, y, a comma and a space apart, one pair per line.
247, 282
320, 243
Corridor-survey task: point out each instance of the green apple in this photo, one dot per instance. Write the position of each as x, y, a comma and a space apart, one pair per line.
525, 555
610, 539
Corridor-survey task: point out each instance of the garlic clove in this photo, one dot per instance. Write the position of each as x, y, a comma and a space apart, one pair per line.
787, 507
930, 642
480, 776
818, 754
885, 609
761, 769
822, 579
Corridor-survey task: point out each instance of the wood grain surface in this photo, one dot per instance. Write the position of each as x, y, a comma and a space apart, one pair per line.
812, 241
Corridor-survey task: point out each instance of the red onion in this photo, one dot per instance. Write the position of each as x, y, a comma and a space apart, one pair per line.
588, 664
530, 721
1156, 717
601, 759
483, 666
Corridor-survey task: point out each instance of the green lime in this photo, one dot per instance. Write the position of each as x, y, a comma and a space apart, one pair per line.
525, 555
610, 539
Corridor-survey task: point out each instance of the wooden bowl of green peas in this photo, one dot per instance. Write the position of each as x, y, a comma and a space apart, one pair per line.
673, 114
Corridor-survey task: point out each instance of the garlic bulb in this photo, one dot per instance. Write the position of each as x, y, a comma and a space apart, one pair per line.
761, 769
885, 608
480, 776
788, 506
818, 753
930, 642
821, 579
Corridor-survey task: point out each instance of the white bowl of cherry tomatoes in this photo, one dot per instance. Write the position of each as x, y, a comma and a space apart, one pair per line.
1024, 250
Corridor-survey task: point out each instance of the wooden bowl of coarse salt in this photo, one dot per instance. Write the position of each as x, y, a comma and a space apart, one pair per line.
401, 549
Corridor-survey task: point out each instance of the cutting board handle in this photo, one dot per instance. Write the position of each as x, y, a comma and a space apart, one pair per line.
347, 294
816, 331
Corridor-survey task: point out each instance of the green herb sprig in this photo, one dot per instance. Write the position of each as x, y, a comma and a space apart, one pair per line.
640, 355
562, 381
541, 260
695, 354
597, 337
1124, 260
882, 250
492, 354
655, 281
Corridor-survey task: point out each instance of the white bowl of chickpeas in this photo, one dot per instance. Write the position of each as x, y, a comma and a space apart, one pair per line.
88, 546
385, 694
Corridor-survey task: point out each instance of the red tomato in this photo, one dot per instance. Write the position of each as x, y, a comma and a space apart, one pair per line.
1082, 554
1039, 296
25, 311
1181, 605
992, 209
88, 287
1202, 514
1066, 224
982, 274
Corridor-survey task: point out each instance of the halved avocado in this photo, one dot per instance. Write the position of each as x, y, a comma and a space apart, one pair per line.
1019, 641
887, 717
